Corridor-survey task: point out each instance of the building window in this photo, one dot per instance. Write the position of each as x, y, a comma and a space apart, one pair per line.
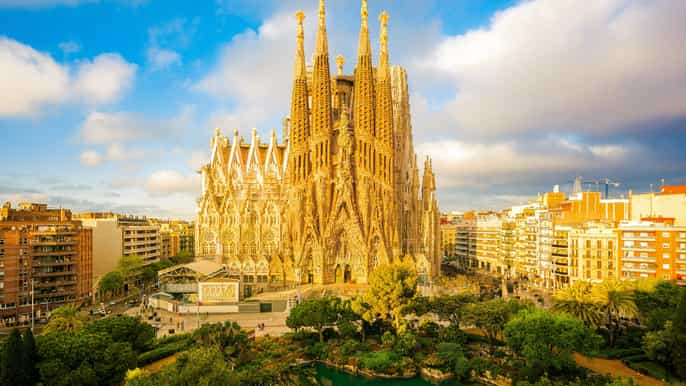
644, 234
666, 256
666, 234
2, 241
2, 252
665, 245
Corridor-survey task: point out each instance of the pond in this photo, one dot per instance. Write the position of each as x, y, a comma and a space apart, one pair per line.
332, 377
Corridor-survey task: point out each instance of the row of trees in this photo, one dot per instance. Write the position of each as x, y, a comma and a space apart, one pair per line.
392, 309
74, 352
616, 307
131, 270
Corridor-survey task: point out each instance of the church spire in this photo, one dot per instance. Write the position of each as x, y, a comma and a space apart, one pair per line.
322, 124
363, 113
383, 55
300, 116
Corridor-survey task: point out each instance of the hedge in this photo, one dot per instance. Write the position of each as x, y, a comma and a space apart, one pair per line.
162, 352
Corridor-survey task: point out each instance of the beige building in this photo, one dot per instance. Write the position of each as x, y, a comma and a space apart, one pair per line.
593, 252
670, 202
341, 194
115, 236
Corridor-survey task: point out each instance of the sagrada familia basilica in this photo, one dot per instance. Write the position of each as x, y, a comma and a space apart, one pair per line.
340, 195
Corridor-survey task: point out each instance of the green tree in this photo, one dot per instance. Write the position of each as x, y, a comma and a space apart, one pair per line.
493, 315
12, 370
447, 308
130, 266
453, 356
203, 366
615, 301
656, 301
183, 257
315, 313
83, 358
66, 318
679, 338
29, 357
111, 283
125, 329
392, 288
576, 300
547, 340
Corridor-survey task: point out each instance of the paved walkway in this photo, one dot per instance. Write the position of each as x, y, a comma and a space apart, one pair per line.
275, 322
615, 368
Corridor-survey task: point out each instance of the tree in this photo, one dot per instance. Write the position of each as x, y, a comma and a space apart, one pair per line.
125, 329
315, 313
615, 301
679, 353
66, 318
82, 358
130, 266
448, 308
547, 340
183, 257
201, 366
12, 370
493, 315
392, 287
656, 300
29, 358
111, 282
576, 300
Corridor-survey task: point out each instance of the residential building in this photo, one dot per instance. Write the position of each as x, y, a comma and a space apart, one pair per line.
116, 235
485, 248
593, 252
560, 254
669, 202
45, 249
463, 230
449, 236
652, 249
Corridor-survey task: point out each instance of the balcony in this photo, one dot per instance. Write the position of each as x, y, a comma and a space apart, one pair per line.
639, 248
638, 238
639, 269
57, 283
639, 259
53, 263
54, 274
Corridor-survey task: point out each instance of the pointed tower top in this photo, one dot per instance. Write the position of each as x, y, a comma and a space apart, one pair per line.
300, 70
364, 31
340, 61
383, 60
322, 41
322, 12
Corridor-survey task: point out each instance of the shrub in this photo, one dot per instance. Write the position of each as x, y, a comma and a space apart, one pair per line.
405, 344
388, 339
451, 334
429, 329
162, 352
347, 329
350, 347
653, 369
379, 361
316, 350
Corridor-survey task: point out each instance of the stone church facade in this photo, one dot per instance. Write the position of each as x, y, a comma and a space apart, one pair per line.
340, 195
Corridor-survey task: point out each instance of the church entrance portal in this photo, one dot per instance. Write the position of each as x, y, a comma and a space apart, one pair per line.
347, 275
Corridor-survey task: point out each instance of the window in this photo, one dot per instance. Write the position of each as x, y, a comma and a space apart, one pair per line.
666, 256
644, 244
2, 252
644, 234
2, 241
666, 234
665, 245
644, 254
665, 266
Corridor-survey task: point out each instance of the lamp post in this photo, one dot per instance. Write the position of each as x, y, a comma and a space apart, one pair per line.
33, 315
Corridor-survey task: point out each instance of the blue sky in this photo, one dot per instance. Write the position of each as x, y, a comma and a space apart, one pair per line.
110, 104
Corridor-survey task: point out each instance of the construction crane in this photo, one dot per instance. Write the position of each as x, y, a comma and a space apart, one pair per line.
607, 182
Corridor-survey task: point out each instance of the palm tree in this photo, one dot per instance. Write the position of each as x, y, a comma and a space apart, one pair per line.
576, 301
616, 300
66, 319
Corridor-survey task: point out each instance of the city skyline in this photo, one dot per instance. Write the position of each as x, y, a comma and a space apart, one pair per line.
117, 115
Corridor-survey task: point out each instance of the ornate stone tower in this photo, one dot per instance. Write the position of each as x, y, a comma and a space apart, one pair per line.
336, 198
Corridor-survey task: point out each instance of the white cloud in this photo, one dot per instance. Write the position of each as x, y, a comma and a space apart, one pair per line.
100, 128
69, 47
556, 65
104, 79
166, 182
91, 158
29, 79
198, 158
160, 59
32, 80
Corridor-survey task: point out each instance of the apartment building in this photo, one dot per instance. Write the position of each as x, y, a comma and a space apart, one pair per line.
670, 201
526, 243
593, 252
116, 235
45, 249
485, 248
560, 254
652, 249
448, 236
463, 229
